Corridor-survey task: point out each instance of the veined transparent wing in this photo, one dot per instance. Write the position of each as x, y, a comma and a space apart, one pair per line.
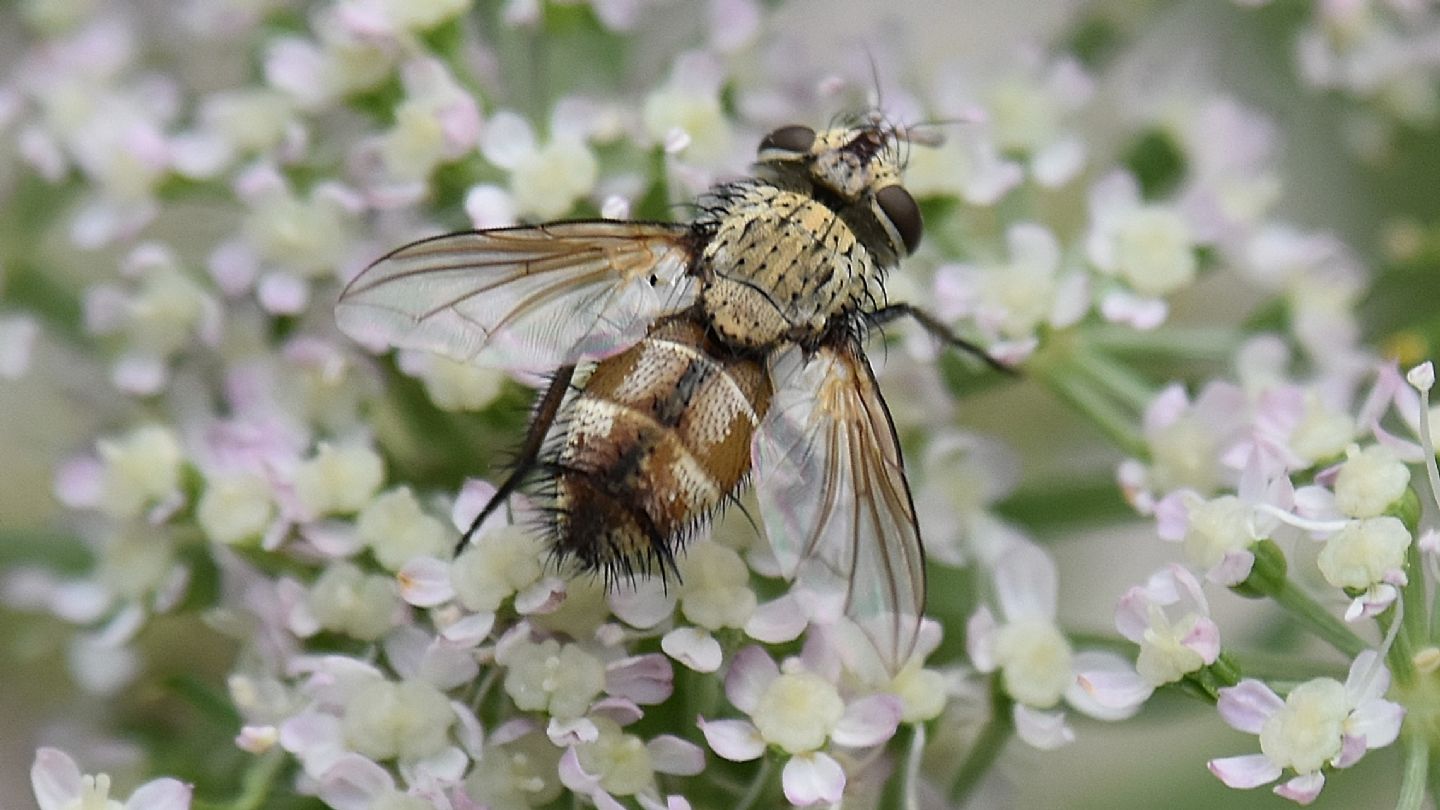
833, 496
524, 299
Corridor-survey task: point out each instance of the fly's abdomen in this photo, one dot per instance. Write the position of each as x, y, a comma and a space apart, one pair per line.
658, 436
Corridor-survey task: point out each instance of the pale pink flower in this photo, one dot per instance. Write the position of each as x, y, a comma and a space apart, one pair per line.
59, 785
798, 711
1320, 723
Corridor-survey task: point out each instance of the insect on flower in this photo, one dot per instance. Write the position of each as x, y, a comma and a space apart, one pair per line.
708, 351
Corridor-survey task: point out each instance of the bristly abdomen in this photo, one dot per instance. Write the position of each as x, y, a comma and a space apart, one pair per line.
656, 439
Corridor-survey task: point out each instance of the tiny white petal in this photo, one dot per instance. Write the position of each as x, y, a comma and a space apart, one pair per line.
161, 794
811, 778
735, 740
469, 631
425, 582
645, 679
1422, 376
55, 778
868, 721
1251, 770
750, 672
470, 732
693, 647
257, 739
622, 711
1377, 722
1046, 731
1302, 789
670, 754
354, 782
1247, 705
777, 621
676, 140
473, 497
646, 605
574, 776
1115, 690
545, 596
615, 207
571, 732
507, 140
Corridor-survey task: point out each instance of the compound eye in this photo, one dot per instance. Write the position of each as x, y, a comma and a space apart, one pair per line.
795, 139
900, 208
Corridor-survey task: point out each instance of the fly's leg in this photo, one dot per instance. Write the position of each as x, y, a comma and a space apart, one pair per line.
545, 412
940, 331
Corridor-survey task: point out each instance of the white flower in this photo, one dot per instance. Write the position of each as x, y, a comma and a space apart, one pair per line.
141, 469
409, 720
1149, 246
305, 236
799, 712
1170, 620
1370, 481
715, 593
347, 600
968, 165
547, 676
438, 122
236, 506
545, 180
453, 385
1036, 663
338, 479
519, 768
1368, 556
620, 764
1320, 723
1187, 441
397, 530
500, 563
1010, 300
688, 104
356, 783
960, 477
317, 74
59, 785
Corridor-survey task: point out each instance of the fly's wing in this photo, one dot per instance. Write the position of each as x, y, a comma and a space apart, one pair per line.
834, 499
523, 299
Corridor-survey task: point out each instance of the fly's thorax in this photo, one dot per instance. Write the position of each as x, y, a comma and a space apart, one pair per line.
781, 262
653, 443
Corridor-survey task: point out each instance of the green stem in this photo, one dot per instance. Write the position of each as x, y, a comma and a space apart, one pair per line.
1184, 342
1413, 630
255, 787
757, 785
1401, 655
1118, 426
1321, 621
983, 754
1415, 774
1118, 378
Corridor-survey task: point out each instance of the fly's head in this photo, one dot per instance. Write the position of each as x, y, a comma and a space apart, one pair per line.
859, 164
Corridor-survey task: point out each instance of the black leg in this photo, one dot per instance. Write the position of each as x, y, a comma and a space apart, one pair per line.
886, 314
545, 412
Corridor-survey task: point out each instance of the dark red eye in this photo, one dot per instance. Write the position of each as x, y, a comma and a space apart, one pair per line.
900, 208
789, 139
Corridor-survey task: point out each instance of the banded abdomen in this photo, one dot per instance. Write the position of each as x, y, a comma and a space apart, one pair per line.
657, 437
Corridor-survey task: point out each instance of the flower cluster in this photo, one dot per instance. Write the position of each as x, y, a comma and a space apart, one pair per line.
193, 185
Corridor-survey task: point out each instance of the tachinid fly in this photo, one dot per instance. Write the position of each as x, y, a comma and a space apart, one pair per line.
726, 347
